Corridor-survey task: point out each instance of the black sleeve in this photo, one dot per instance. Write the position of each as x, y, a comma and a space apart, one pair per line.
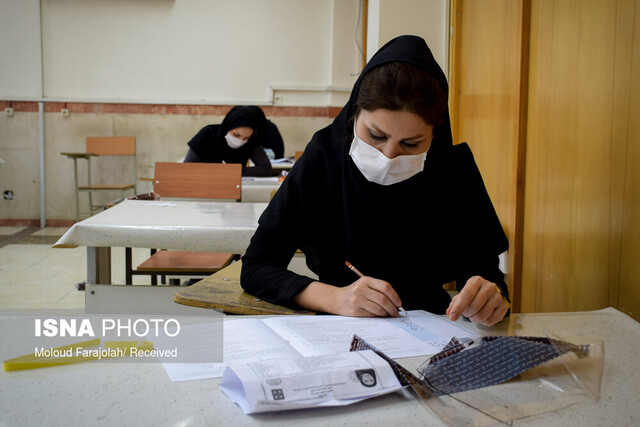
262, 164
191, 157
264, 269
280, 233
480, 238
274, 140
203, 145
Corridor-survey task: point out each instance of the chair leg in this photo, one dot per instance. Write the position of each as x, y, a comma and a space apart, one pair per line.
128, 269
89, 183
154, 277
75, 180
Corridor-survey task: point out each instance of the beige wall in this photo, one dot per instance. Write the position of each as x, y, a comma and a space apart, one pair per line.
428, 19
19, 172
194, 53
159, 138
185, 51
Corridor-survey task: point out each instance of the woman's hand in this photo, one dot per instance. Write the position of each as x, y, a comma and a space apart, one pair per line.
480, 301
366, 297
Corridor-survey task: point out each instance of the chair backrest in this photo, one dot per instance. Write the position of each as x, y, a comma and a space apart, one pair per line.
198, 180
112, 145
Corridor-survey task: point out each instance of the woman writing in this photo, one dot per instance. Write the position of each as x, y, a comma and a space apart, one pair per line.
384, 188
235, 140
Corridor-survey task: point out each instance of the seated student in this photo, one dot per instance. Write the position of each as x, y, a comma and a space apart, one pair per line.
384, 188
271, 137
235, 140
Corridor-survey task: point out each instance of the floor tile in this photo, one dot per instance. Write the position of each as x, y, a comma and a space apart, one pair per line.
51, 231
34, 275
7, 231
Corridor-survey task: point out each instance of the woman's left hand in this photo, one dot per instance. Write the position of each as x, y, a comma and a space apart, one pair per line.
480, 301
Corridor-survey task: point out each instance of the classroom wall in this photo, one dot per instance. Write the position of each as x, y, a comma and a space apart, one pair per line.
170, 50
162, 69
428, 19
159, 137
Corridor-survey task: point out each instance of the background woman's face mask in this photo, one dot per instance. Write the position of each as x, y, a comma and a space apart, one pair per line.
234, 142
378, 168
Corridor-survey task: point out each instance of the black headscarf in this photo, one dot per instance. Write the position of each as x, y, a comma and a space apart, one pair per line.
209, 143
418, 234
268, 133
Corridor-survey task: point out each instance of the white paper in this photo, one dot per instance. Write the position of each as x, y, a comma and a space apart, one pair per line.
435, 331
281, 160
329, 380
419, 333
245, 340
272, 179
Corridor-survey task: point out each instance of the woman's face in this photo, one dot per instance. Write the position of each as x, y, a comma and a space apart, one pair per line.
394, 133
244, 133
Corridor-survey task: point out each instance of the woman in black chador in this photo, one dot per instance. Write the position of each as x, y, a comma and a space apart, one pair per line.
384, 188
236, 140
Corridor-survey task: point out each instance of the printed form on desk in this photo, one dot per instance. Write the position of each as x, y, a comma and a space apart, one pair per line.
419, 333
304, 382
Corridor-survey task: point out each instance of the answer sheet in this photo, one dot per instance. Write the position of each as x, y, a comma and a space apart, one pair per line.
418, 333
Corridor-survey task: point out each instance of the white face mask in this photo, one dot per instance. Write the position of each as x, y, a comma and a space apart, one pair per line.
378, 168
234, 142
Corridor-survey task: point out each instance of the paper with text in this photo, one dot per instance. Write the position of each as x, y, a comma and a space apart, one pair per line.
304, 382
419, 333
246, 340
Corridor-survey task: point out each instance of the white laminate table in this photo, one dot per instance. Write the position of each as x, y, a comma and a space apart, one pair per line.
283, 165
259, 189
180, 225
133, 394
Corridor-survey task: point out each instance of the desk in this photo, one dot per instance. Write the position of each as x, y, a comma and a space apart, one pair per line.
142, 394
258, 190
280, 166
222, 291
196, 226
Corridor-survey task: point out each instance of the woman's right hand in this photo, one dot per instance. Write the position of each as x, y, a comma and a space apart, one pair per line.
369, 297
366, 297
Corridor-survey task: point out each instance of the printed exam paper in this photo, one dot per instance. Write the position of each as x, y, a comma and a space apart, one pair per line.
419, 333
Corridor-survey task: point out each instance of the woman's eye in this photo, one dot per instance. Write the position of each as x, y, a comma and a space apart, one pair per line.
377, 137
409, 144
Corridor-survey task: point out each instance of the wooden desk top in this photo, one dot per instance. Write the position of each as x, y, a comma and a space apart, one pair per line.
222, 291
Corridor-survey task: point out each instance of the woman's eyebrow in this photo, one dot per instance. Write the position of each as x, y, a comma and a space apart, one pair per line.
374, 127
416, 137
413, 138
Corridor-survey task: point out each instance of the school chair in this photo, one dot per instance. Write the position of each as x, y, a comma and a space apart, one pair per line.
110, 147
212, 181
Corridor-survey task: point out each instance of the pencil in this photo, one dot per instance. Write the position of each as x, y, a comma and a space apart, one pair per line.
355, 270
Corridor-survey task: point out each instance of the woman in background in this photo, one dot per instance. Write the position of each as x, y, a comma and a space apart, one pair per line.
236, 140
384, 188
271, 138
